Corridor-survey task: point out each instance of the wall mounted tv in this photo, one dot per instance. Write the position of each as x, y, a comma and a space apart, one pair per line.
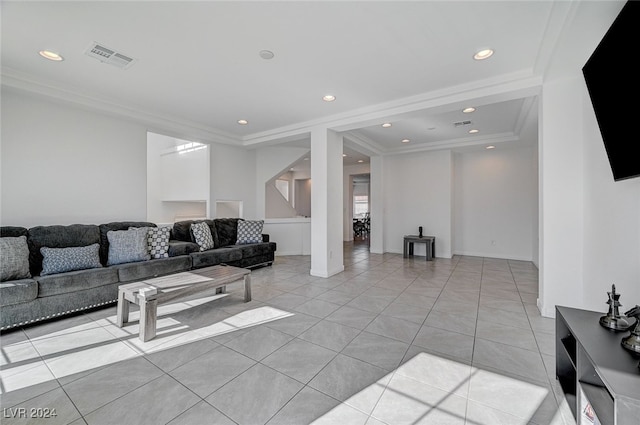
613, 82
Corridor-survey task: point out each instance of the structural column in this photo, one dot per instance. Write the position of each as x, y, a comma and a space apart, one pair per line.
376, 205
326, 203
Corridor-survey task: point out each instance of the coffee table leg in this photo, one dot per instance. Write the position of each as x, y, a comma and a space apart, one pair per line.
148, 317
247, 288
123, 309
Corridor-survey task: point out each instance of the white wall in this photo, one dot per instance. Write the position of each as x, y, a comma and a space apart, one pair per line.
177, 184
590, 224
418, 192
276, 206
271, 162
233, 178
302, 196
494, 202
82, 166
64, 165
292, 235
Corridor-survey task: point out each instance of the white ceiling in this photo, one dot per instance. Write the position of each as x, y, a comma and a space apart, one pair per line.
198, 68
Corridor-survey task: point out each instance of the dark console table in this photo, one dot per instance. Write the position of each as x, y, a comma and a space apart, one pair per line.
429, 241
594, 369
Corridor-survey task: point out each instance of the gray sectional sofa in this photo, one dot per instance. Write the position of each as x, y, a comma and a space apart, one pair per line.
39, 294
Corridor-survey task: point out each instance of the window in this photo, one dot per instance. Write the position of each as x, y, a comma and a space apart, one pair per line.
283, 188
360, 205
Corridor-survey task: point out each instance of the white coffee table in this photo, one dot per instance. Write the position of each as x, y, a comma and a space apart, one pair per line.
149, 293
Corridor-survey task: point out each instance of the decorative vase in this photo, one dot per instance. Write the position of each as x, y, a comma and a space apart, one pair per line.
420, 231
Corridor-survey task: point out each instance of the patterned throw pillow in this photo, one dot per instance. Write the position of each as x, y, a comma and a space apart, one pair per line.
158, 241
60, 260
250, 231
128, 246
14, 258
202, 235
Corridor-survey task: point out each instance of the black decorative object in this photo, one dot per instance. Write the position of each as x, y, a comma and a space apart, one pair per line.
613, 320
420, 231
632, 342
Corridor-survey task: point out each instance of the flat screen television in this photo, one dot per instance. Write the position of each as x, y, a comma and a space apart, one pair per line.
613, 82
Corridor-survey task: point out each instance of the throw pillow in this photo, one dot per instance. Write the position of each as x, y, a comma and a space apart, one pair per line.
202, 235
158, 241
250, 231
60, 260
14, 258
128, 246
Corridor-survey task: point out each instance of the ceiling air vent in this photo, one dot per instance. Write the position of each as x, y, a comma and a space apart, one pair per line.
110, 56
461, 123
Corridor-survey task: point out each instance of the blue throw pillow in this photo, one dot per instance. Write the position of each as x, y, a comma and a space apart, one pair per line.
60, 260
14, 258
128, 246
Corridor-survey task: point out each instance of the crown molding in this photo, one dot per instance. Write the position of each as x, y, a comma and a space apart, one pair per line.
456, 144
505, 87
364, 144
179, 128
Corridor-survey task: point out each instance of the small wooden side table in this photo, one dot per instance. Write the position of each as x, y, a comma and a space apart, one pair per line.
429, 241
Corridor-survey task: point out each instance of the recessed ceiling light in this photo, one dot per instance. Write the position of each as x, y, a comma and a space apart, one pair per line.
469, 110
328, 98
266, 54
473, 131
243, 122
361, 160
490, 147
344, 155
386, 125
483, 54
52, 56
306, 159
405, 140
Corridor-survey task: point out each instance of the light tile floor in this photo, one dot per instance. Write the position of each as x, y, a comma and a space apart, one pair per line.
388, 341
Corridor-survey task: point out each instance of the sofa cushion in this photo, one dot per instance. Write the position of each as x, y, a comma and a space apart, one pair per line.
18, 291
202, 236
139, 271
177, 248
216, 256
158, 241
128, 246
65, 283
57, 236
249, 231
60, 260
116, 225
14, 258
227, 229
